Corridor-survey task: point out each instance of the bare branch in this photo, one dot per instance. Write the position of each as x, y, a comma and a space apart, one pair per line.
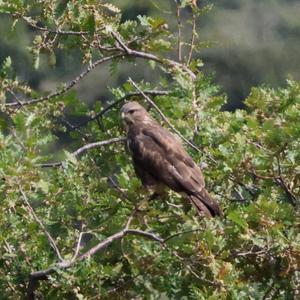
252, 253
78, 246
69, 85
179, 25
181, 233
33, 23
278, 180
36, 218
50, 165
43, 275
150, 56
115, 103
35, 277
146, 234
281, 182
103, 244
84, 149
192, 39
290, 195
98, 144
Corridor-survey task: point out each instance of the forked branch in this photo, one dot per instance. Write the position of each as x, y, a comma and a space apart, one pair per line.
35, 277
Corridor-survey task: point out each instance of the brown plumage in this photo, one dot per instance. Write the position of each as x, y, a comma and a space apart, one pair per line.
159, 159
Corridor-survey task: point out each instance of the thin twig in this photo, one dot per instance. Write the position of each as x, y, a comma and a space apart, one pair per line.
278, 180
19, 101
35, 277
179, 25
84, 149
43, 275
72, 127
98, 144
252, 253
36, 218
192, 39
115, 103
50, 165
181, 233
78, 246
69, 85
32, 23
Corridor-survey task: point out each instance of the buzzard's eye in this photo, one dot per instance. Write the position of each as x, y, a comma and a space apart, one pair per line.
131, 111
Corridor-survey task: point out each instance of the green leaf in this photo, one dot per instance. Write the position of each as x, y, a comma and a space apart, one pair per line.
6, 66
236, 217
43, 185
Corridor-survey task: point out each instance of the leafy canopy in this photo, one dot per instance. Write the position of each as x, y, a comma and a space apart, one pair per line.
83, 223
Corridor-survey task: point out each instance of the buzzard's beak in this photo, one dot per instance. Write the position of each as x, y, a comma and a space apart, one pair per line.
123, 115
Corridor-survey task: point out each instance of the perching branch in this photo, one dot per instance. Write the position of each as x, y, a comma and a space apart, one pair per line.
68, 86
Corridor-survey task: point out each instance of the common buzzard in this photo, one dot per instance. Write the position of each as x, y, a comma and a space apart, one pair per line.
159, 159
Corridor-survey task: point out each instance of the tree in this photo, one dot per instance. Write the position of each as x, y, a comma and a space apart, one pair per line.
75, 223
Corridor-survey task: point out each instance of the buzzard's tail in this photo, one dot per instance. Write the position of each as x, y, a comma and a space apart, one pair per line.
204, 203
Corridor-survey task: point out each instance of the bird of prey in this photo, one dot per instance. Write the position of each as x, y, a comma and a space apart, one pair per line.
160, 160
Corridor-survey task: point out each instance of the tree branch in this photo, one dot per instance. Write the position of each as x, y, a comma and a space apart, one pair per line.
278, 180
36, 218
35, 277
118, 101
84, 149
68, 86
33, 23
123, 47
192, 39
98, 144
179, 31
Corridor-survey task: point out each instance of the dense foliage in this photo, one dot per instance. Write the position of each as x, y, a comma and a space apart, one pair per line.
82, 228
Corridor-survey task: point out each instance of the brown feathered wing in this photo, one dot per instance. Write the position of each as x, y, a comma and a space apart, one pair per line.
159, 157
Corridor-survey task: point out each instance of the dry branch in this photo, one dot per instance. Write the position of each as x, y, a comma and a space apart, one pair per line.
115, 103
192, 39
35, 277
84, 149
179, 25
32, 23
68, 86
165, 61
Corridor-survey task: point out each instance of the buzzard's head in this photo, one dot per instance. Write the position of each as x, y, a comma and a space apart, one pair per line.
133, 112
